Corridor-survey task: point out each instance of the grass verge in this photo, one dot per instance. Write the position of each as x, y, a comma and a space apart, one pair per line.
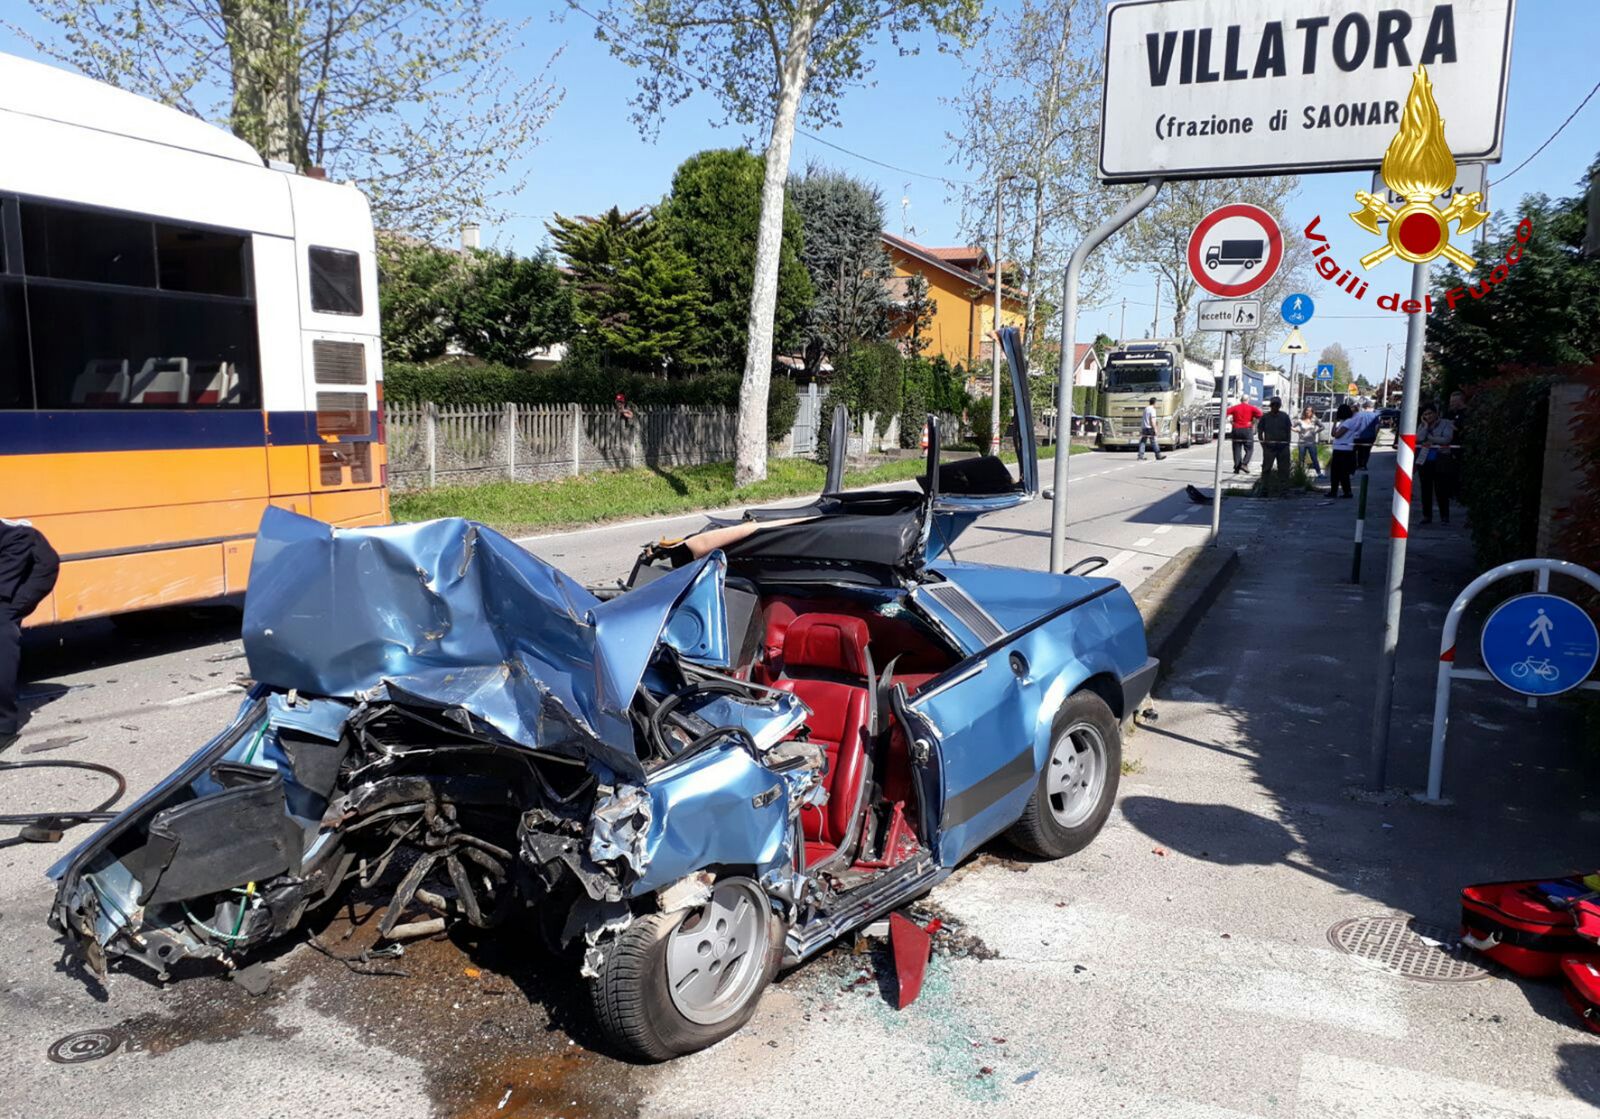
514, 507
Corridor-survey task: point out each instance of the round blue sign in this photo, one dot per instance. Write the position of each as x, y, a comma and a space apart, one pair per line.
1298, 309
1539, 644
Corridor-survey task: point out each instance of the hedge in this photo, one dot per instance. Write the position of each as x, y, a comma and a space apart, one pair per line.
455, 384
1502, 464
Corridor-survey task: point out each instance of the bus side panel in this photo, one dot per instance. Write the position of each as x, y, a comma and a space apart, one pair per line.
283, 392
91, 587
125, 486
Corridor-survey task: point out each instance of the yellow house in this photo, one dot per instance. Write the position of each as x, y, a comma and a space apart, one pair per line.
961, 286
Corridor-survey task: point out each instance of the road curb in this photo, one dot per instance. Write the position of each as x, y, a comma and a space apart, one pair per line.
1176, 597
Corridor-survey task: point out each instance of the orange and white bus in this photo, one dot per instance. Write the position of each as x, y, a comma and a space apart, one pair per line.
187, 335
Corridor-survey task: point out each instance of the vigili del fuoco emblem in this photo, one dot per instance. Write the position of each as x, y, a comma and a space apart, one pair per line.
1419, 167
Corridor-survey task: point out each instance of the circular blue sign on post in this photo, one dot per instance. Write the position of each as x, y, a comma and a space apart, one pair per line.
1539, 644
1297, 309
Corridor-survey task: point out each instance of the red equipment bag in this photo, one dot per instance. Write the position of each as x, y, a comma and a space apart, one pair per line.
1583, 988
1526, 926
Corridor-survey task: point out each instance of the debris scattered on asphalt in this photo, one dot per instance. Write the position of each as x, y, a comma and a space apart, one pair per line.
986, 1070
54, 744
1162, 851
1079, 968
505, 1099
1027, 1076
1227, 936
254, 980
912, 946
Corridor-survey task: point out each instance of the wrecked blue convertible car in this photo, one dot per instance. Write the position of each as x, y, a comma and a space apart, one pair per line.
771, 733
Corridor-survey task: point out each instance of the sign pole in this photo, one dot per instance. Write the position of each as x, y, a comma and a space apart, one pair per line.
1222, 431
1069, 335
1405, 449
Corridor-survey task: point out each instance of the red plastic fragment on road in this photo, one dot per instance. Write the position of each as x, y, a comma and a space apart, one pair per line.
1162, 851
911, 945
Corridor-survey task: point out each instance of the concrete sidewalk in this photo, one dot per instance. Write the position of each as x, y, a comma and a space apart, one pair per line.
1257, 762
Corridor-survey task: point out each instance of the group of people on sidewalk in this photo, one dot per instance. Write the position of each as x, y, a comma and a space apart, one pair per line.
1355, 431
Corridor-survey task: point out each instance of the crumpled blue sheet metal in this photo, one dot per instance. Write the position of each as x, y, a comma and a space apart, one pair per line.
452, 614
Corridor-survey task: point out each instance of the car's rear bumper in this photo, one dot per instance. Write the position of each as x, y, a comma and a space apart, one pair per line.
1137, 684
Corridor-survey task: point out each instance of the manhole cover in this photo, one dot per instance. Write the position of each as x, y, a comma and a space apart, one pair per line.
1407, 947
89, 1045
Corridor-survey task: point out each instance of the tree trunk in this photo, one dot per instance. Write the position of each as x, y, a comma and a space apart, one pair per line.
264, 60
750, 442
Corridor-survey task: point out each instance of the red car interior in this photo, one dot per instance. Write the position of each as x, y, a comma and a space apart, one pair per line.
825, 666
818, 649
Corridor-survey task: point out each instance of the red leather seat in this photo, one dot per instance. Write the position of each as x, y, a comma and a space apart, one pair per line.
825, 665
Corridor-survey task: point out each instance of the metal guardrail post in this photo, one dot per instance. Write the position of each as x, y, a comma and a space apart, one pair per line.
1447, 652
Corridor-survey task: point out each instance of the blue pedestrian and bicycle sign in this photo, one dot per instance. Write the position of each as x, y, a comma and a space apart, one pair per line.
1540, 644
1298, 309
1325, 371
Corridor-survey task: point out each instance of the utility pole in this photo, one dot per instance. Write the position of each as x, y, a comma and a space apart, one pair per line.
1122, 330
1155, 321
994, 391
1386, 348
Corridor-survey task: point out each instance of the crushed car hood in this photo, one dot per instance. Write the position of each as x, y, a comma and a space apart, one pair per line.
455, 615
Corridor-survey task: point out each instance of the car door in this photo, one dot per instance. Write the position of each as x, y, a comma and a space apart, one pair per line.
976, 733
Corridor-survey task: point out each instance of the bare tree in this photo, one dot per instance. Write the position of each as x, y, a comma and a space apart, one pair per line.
767, 64
414, 100
1030, 120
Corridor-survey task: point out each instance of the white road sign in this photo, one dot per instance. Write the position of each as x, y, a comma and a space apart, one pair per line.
1469, 178
1230, 314
1295, 343
1214, 88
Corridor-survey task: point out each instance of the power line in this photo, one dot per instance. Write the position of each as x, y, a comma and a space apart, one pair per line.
705, 83
1553, 135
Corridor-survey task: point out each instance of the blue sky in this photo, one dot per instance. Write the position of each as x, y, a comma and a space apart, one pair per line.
591, 156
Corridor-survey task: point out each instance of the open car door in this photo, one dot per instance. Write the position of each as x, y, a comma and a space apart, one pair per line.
959, 492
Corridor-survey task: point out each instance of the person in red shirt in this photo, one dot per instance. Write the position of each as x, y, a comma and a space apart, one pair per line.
1242, 419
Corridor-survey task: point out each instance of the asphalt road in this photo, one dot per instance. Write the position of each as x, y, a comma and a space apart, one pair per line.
1177, 967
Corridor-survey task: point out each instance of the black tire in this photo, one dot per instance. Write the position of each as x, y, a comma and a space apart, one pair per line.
1039, 830
633, 1005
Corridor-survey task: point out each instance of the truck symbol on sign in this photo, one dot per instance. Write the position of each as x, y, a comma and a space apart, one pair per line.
1247, 253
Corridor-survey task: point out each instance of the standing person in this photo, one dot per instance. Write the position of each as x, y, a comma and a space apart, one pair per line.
1147, 431
28, 567
1308, 428
1436, 463
1366, 432
1242, 419
1275, 429
1343, 463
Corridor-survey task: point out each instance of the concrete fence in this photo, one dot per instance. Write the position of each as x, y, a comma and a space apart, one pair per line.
430, 445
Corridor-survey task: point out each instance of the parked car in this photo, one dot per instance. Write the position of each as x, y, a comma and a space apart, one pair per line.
769, 734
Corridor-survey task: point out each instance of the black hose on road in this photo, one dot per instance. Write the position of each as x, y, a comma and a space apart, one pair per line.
48, 827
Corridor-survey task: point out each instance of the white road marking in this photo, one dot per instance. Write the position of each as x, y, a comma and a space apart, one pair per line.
1116, 561
1342, 1088
1144, 541
201, 697
1163, 530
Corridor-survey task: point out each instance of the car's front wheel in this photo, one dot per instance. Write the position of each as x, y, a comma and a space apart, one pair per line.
672, 983
1078, 783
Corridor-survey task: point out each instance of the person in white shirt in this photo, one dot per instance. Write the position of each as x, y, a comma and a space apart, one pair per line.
1343, 462
1307, 429
1147, 431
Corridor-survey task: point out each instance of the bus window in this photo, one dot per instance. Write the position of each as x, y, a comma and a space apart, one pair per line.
335, 281
16, 388
343, 413
199, 260
66, 244
339, 363
108, 348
